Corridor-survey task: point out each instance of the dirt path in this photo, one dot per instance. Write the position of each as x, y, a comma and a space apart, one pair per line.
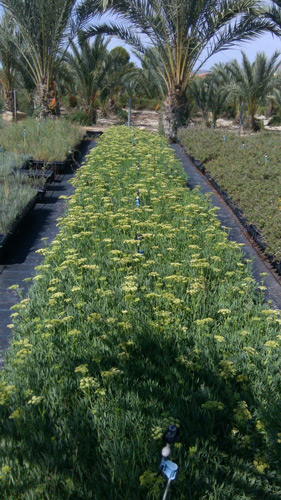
143, 119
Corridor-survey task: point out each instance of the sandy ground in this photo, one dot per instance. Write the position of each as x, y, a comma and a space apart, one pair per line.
224, 123
148, 120
143, 119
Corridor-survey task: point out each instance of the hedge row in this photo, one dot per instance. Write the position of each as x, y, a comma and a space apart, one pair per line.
141, 315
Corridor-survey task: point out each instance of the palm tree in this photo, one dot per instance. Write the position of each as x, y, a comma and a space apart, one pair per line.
252, 82
210, 94
121, 73
89, 63
45, 29
8, 60
276, 98
185, 32
200, 92
153, 83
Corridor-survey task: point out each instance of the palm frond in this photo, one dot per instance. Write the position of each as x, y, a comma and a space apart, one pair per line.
114, 29
181, 30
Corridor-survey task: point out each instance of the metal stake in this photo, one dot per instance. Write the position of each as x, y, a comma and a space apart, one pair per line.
165, 496
130, 109
15, 105
241, 117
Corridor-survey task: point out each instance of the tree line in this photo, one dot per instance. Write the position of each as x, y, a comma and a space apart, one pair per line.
50, 42
230, 88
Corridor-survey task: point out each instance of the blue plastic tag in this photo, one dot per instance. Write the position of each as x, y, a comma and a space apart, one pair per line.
169, 469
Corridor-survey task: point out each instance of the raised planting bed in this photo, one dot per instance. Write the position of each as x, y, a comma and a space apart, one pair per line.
13, 165
141, 315
246, 172
23, 180
20, 189
37, 177
71, 159
49, 140
44, 175
12, 162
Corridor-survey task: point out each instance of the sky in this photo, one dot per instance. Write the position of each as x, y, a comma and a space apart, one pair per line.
265, 43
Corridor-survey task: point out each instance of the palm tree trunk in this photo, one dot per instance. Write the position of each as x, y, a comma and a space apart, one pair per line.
8, 96
45, 101
175, 113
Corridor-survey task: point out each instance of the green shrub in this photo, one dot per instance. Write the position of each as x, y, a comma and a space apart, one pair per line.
262, 110
275, 121
146, 103
24, 102
122, 115
140, 103
112, 345
81, 117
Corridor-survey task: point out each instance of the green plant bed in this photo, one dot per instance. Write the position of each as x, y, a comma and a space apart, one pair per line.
15, 193
18, 186
140, 317
50, 141
11, 162
248, 168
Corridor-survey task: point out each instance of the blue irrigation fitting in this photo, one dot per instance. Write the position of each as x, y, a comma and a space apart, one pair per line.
168, 468
224, 138
266, 159
24, 131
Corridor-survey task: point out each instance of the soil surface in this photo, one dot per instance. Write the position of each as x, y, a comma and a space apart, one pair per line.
142, 119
